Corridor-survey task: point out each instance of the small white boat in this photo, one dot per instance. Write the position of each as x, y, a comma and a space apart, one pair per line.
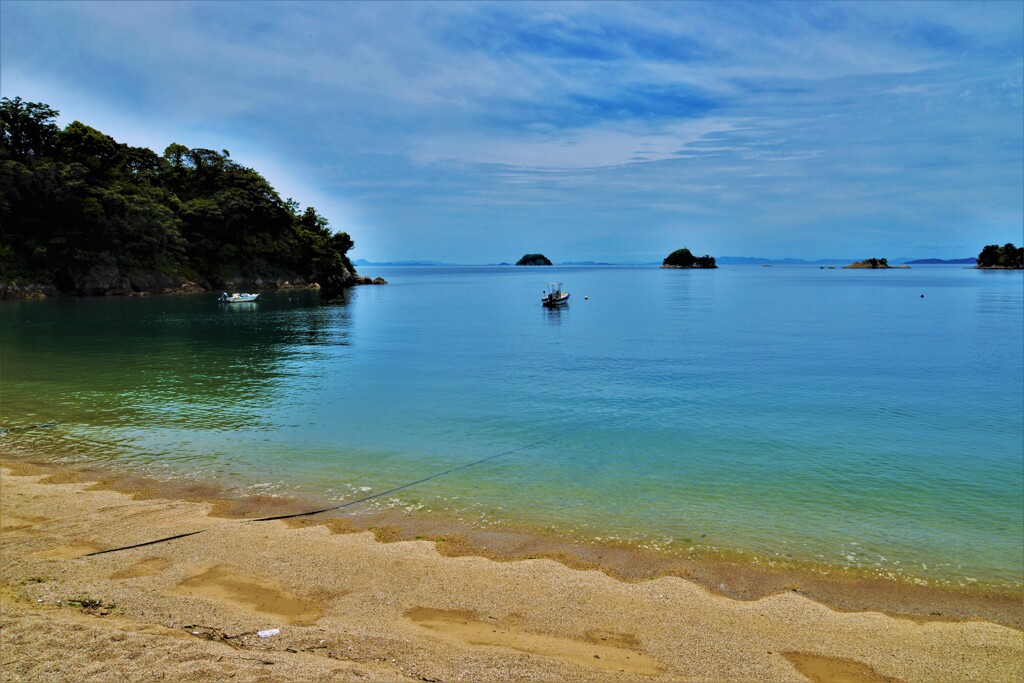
555, 295
237, 298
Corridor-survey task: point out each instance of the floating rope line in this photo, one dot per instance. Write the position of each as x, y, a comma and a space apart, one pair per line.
335, 507
8, 430
399, 488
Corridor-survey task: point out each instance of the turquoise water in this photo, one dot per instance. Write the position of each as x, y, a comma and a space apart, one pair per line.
831, 415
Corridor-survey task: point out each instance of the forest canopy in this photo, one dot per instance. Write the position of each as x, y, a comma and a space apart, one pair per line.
73, 200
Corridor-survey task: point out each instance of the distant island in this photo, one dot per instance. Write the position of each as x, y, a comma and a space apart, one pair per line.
682, 258
873, 263
534, 260
1006, 257
83, 214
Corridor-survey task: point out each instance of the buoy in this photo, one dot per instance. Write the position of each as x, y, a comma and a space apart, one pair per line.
586, 298
922, 296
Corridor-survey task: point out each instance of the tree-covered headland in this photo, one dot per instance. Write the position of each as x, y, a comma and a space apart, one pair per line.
1006, 256
682, 258
81, 213
534, 260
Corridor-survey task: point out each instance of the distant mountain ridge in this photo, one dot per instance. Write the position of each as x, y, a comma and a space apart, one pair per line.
936, 261
755, 261
364, 262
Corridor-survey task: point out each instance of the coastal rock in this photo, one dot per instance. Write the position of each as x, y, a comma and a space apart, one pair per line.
102, 280
161, 283
367, 280
248, 284
108, 280
13, 290
869, 263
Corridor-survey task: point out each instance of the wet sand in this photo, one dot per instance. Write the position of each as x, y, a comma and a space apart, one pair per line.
350, 607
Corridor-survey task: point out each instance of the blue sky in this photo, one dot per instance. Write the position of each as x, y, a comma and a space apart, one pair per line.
476, 132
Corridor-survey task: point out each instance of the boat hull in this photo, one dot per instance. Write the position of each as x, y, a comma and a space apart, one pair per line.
552, 301
238, 298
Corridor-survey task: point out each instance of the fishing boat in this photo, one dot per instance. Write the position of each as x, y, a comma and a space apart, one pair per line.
237, 298
555, 296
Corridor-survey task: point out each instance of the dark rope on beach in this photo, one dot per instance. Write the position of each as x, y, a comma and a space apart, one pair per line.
140, 545
335, 507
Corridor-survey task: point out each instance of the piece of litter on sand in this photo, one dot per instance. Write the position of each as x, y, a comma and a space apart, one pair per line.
269, 632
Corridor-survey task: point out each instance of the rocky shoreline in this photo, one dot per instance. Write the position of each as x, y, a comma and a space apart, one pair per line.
693, 267
110, 281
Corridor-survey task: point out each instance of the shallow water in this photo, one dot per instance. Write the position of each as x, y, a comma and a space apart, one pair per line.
830, 415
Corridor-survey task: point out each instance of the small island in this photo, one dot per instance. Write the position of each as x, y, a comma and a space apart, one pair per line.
879, 263
534, 260
1006, 257
682, 258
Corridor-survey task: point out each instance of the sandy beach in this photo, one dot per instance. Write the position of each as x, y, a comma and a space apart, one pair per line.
346, 606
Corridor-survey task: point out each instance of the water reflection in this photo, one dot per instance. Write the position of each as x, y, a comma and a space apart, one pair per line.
246, 306
553, 314
172, 361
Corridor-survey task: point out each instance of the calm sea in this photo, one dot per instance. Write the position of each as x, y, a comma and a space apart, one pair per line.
867, 418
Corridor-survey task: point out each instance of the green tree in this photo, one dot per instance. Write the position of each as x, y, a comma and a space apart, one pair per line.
99, 153
1006, 256
989, 256
1012, 257
27, 129
681, 258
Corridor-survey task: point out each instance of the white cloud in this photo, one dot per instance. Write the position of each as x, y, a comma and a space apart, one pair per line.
591, 147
